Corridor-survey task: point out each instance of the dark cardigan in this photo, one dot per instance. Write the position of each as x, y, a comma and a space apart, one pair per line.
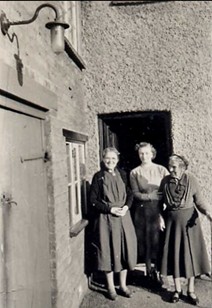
97, 192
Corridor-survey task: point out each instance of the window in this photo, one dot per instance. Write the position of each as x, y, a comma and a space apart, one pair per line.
76, 175
72, 16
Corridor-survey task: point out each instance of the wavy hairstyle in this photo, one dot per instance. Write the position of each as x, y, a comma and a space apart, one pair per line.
146, 144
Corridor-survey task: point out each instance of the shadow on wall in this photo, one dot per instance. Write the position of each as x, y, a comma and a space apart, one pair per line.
89, 266
89, 215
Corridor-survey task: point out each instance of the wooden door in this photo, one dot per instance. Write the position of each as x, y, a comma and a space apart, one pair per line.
107, 138
24, 255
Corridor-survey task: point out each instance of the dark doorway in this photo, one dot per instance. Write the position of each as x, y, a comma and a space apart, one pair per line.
124, 130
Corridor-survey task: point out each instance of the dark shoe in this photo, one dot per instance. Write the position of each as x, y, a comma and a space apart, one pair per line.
125, 292
155, 277
193, 299
111, 295
176, 296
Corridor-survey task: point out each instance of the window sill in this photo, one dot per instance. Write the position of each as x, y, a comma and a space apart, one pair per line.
73, 54
78, 227
136, 2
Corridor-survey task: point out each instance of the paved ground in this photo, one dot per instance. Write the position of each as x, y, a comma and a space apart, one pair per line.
148, 296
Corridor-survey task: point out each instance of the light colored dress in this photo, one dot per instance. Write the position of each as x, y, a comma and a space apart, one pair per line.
144, 180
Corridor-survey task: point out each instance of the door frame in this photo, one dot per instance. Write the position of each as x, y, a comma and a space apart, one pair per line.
37, 118
33, 99
108, 138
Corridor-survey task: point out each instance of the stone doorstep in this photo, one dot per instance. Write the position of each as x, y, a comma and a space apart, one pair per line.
168, 282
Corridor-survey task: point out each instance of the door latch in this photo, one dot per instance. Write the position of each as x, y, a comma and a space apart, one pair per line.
45, 156
6, 199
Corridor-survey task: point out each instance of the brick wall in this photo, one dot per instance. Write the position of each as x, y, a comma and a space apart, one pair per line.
153, 57
149, 57
59, 74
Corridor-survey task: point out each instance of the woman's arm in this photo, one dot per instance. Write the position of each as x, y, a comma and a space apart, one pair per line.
161, 205
135, 189
96, 196
129, 193
199, 201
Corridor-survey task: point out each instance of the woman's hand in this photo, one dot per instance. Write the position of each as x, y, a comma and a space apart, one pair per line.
125, 208
155, 195
161, 223
119, 211
114, 211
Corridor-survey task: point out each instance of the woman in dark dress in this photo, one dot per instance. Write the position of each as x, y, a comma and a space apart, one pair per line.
184, 251
114, 239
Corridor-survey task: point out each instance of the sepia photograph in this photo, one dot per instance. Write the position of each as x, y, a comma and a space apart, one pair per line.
106, 154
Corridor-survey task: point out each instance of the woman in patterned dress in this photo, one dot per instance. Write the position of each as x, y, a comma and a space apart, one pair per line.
184, 251
114, 239
145, 180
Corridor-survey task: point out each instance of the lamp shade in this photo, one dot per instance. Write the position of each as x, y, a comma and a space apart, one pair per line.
57, 35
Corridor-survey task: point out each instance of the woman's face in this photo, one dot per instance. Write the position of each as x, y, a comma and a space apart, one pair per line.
145, 154
110, 160
176, 170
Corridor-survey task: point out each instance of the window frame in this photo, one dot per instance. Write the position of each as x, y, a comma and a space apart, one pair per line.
74, 138
72, 16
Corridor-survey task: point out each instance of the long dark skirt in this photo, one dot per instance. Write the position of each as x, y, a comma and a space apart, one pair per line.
147, 230
114, 243
184, 252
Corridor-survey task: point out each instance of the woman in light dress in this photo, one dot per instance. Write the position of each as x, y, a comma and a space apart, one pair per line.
145, 180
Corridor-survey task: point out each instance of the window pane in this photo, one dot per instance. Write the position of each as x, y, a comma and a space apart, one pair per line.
75, 155
76, 209
68, 162
82, 161
71, 199
72, 16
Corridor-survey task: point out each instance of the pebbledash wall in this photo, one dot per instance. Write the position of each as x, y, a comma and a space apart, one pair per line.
62, 77
153, 57
138, 57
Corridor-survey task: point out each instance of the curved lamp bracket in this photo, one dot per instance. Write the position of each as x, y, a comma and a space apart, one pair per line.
56, 27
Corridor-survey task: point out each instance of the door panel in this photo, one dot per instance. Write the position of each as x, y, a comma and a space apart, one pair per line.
25, 271
107, 138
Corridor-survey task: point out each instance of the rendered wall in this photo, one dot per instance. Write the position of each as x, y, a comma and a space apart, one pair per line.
156, 56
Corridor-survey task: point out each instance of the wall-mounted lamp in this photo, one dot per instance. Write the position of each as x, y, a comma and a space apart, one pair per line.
56, 27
